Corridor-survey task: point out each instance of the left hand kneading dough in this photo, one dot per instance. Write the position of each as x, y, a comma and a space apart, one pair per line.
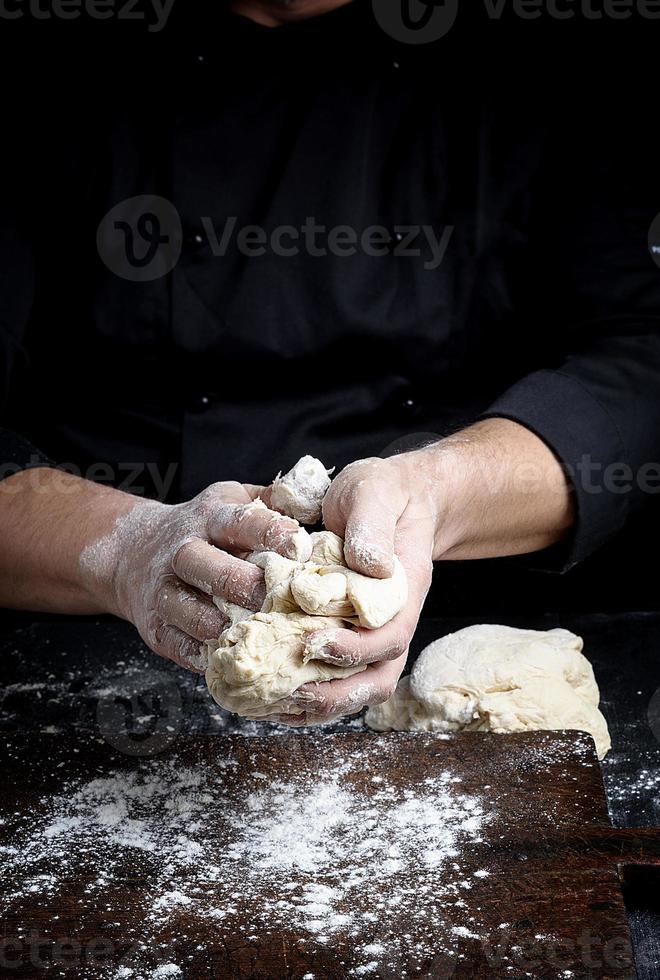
264, 657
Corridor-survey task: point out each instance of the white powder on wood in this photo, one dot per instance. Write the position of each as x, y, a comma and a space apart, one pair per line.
315, 852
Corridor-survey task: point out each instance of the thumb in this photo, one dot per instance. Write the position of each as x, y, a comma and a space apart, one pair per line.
369, 539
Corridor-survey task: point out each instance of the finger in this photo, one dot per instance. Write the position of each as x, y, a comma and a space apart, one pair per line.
350, 647
348, 695
255, 491
369, 538
363, 506
253, 527
191, 612
216, 573
173, 644
262, 493
292, 721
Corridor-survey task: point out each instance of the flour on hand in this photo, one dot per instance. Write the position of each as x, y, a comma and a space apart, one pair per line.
499, 679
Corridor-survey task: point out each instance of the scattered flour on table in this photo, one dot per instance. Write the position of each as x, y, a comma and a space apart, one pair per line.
307, 849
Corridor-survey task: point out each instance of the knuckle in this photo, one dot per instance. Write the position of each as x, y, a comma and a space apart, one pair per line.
183, 557
155, 630
214, 491
229, 488
401, 652
397, 647
321, 704
229, 581
197, 622
353, 656
383, 694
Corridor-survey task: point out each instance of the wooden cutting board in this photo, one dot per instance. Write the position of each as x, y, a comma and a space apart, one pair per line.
312, 856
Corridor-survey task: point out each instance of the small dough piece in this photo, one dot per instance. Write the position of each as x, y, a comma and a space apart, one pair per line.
300, 492
331, 589
501, 679
262, 660
334, 590
327, 548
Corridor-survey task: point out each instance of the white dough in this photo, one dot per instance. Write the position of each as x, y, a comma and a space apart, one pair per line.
264, 658
321, 587
234, 613
500, 679
300, 492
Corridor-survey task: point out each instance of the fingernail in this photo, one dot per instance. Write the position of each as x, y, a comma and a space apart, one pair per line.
258, 595
319, 645
303, 698
332, 655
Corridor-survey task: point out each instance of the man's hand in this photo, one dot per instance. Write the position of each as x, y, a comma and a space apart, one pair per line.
380, 509
494, 489
167, 562
74, 547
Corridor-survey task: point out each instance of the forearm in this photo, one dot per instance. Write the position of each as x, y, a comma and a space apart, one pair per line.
47, 518
496, 489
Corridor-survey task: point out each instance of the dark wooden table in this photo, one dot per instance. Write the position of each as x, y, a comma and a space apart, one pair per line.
82, 700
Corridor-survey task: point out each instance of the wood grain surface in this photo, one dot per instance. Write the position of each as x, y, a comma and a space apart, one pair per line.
534, 893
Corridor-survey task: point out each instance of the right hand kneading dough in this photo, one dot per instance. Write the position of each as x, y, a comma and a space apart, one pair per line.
264, 657
497, 679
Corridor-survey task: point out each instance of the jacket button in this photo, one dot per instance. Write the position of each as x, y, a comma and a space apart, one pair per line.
200, 404
194, 240
410, 405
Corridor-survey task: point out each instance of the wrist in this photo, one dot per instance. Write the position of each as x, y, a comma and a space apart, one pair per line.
107, 555
440, 474
47, 518
496, 490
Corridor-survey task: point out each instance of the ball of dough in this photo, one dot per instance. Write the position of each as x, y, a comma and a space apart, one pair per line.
501, 679
300, 492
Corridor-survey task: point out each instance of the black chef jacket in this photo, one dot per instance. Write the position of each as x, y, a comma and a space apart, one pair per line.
544, 309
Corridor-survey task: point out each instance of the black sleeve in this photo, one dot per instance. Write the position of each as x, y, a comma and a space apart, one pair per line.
594, 308
17, 454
